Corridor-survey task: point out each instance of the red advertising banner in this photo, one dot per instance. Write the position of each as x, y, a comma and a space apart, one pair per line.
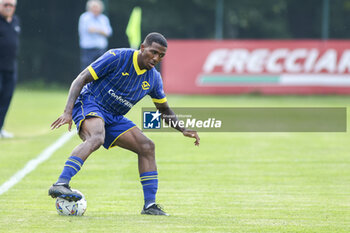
264, 66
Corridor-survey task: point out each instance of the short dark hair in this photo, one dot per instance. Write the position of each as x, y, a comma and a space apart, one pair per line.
155, 37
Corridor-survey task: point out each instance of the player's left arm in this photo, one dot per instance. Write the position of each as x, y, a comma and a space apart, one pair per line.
169, 115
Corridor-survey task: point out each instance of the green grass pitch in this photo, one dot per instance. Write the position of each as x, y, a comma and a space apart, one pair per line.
233, 182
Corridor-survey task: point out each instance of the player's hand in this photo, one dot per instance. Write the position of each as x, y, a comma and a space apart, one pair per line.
65, 118
192, 134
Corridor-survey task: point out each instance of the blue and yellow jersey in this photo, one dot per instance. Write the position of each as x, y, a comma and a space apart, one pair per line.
120, 83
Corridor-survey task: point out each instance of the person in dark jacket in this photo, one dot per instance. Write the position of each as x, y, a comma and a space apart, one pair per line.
9, 40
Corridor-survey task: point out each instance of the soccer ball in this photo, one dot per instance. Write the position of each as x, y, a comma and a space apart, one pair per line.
67, 208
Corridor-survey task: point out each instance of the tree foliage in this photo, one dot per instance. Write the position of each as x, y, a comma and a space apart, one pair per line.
49, 40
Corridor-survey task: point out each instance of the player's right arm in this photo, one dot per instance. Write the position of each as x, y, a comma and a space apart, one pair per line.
77, 85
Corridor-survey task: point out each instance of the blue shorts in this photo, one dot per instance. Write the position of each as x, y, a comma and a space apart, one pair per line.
115, 125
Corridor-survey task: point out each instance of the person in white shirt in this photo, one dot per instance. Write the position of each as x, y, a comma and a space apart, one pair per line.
94, 30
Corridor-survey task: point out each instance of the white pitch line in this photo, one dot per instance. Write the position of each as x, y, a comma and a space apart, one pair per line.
32, 164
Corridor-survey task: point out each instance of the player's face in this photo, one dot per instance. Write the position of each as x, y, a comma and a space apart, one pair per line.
7, 8
151, 55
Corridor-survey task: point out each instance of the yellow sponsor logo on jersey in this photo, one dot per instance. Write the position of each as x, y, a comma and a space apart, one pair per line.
125, 73
111, 52
145, 85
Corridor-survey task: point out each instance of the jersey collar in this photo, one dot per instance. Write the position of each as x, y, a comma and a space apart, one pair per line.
136, 65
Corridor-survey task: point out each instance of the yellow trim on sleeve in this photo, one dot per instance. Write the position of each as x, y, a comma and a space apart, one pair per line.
92, 72
159, 101
136, 65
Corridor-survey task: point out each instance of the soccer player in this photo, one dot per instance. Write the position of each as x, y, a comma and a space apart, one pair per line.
98, 100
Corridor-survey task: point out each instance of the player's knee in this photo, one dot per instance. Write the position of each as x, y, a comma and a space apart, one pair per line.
147, 148
96, 141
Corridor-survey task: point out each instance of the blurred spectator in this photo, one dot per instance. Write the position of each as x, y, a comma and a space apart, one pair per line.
9, 33
94, 29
